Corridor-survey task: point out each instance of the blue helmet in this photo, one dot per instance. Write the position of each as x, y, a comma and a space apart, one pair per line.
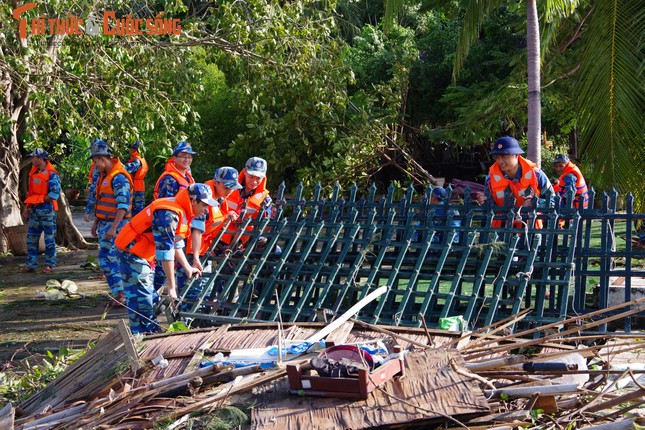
99, 147
135, 145
506, 145
228, 176
183, 147
40, 153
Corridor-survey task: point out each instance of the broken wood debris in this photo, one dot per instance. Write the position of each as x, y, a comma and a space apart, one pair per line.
474, 380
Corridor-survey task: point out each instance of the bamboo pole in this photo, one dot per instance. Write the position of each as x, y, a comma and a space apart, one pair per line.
496, 363
503, 373
483, 352
578, 318
623, 411
529, 391
634, 395
390, 333
498, 326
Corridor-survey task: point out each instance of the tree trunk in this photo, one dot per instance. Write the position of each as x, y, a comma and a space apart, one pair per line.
9, 180
534, 149
67, 234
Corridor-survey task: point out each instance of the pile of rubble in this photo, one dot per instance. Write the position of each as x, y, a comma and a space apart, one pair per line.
556, 376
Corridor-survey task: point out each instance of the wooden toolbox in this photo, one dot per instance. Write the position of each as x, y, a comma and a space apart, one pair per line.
304, 384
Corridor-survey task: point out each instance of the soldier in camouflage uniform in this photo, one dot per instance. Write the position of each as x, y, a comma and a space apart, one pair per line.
175, 177
113, 208
157, 233
93, 177
40, 209
137, 167
205, 228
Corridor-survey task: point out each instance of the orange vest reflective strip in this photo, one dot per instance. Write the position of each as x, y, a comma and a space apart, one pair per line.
183, 180
106, 206
139, 229
581, 184
498, 185
38, 186
138, 182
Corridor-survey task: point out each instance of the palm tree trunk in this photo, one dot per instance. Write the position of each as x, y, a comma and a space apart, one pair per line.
534, 149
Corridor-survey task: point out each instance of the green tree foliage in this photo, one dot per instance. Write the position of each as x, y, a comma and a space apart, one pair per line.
607, 46
292, 96
66, 89
490, 95
219, 118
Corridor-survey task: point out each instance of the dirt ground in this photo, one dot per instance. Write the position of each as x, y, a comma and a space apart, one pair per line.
30, 325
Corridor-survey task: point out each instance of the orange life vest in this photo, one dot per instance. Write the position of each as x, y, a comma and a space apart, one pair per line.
581, 185
183, 180
90, 174
38, 186
253, 204
498, 185
139, 229
105, 199
137, 180
214, 223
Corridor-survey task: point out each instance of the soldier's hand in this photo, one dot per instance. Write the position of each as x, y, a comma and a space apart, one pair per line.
480, 197
110, 233
25, 214
194, 272
197, 264
232, 215
87, 217
172, 292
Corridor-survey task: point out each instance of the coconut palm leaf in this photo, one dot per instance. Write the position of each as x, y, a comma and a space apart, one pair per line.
611, 98
476, 12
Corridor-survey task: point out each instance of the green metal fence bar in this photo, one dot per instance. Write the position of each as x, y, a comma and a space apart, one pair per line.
448, 307
308, 297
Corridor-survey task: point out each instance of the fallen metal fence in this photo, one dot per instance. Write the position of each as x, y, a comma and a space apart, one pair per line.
315, 257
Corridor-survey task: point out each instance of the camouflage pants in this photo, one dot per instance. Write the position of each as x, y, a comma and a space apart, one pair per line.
140, 294
41, 222
138, 202
109, 259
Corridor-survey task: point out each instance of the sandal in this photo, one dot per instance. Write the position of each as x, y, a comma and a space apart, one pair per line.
47, 269
27, 270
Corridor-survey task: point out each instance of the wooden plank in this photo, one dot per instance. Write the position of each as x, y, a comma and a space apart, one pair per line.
431, 390
128, 343
339, 335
